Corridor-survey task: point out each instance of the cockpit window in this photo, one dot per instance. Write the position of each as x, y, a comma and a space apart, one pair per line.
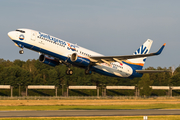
21, 31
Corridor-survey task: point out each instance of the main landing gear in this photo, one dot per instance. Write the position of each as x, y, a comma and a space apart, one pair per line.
69, 71
88, 71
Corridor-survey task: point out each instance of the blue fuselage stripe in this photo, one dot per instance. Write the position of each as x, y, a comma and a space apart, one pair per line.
61, 57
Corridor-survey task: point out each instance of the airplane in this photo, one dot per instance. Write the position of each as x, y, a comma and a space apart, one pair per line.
54, 51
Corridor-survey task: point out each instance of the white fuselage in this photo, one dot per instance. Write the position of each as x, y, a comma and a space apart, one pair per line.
62, 50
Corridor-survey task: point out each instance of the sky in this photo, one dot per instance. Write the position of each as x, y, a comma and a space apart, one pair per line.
109, 27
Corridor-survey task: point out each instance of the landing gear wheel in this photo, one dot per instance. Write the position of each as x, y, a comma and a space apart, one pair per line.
69, 72
88, 72
21, 52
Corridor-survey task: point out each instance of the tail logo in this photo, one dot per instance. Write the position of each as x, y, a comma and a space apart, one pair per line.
141, 50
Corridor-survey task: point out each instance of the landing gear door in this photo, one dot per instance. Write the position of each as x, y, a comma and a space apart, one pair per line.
33, 35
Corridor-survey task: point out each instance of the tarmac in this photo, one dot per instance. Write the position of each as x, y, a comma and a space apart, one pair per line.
70, 113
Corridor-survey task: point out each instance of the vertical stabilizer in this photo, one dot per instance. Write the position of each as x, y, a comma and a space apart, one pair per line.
143, 49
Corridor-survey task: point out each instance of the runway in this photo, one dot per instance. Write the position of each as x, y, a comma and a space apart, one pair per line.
69, 113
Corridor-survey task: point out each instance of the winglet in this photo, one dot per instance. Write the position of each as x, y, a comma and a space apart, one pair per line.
160, 50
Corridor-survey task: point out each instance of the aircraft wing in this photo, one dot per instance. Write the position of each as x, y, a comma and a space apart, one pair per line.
108, 59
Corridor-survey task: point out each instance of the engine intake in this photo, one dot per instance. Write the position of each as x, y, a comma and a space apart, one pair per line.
83, 61
74, 57
48, 61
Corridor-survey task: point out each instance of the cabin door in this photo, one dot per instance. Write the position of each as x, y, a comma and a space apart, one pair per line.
33, 35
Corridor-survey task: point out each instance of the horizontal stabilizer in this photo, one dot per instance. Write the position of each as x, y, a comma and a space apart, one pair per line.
151, 71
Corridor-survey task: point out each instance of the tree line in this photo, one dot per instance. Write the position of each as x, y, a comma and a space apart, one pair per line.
33, 72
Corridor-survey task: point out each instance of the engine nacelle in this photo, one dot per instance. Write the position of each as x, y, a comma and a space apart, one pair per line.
48, 61
80, 60
74, 57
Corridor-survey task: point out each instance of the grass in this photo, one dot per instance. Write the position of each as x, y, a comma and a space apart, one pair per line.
6, 105
88, 104
168, 117
90, 107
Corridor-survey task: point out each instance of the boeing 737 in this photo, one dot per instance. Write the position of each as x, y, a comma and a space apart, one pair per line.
54, 51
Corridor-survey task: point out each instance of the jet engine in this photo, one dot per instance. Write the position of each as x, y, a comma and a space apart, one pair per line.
49, 61
79, 59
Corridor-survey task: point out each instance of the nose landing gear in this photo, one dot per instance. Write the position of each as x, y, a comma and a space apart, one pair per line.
21, 51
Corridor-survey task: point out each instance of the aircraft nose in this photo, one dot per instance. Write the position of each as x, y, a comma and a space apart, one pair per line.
11, 35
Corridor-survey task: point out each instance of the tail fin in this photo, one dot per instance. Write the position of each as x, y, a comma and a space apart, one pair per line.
143, 49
